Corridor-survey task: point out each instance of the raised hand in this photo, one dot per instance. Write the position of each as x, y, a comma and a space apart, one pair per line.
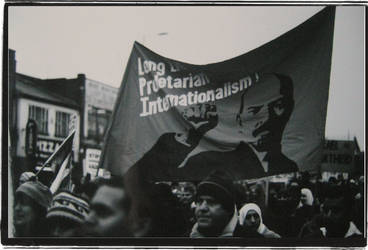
203, 117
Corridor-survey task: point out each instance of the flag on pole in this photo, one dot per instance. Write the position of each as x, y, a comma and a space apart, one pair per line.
59, 155
59, 161
62, 178
63, 173
259, 114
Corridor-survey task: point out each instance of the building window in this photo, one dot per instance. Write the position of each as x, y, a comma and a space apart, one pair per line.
98, 120
41, 116
62, 124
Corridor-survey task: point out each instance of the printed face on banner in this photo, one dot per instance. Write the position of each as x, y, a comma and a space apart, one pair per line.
264, 111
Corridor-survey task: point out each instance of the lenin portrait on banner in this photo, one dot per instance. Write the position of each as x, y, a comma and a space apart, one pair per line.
264, 110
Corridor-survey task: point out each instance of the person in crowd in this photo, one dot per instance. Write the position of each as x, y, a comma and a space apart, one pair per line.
305, 206
187, 193
66, 214
291, 204
303, 213
340, 180
334, 222
186, 198
277, 214
109, 211
257, 195
166, 215
250, 218
305, 180
215, 207
332, 181
87, 187
358, 205
32, 199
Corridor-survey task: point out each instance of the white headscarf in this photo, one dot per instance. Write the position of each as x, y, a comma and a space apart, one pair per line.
309, 196
244, 211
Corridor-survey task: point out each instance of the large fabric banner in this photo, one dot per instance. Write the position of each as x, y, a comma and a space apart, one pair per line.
259, 114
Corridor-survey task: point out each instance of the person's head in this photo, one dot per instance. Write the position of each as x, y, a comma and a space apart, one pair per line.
67, 212
361, 180
293, 191
32, 200
109, 210
361, 184
336, 211
215, 203
306, 197
332, 180
187, 194
250, 217
163, 216
264, 111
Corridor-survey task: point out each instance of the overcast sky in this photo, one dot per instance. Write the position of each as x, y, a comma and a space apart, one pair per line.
53, 42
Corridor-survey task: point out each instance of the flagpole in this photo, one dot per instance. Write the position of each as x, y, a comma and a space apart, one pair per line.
55, 152
55, 185
98, 169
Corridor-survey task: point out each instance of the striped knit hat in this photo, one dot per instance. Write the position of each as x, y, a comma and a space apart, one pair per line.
68, 206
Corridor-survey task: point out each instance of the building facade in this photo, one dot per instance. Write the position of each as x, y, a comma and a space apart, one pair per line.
41, 112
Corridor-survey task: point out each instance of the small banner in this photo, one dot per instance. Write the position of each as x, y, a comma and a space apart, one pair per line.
259, 114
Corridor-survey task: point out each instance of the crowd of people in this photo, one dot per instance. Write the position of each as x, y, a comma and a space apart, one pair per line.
213, 207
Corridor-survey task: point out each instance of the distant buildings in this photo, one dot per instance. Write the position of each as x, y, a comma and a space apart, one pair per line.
52, 104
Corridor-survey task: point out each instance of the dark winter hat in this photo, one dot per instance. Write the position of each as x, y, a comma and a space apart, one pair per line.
218, 185
37, 192
66, 205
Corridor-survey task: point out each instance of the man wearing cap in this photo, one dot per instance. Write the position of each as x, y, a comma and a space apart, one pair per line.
215, 207
32, 200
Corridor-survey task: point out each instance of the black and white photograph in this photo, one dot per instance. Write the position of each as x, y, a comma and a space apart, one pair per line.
183, 124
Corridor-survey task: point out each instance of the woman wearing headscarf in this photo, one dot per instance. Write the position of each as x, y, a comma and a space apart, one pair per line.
250, 219
304, 211
305, 207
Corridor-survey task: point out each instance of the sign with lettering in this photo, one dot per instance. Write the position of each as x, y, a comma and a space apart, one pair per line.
92, 160
31, 138
338, 156
45, 147
100, 95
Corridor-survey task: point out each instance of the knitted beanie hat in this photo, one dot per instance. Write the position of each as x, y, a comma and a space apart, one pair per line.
37, 192
67, 205
218, 185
